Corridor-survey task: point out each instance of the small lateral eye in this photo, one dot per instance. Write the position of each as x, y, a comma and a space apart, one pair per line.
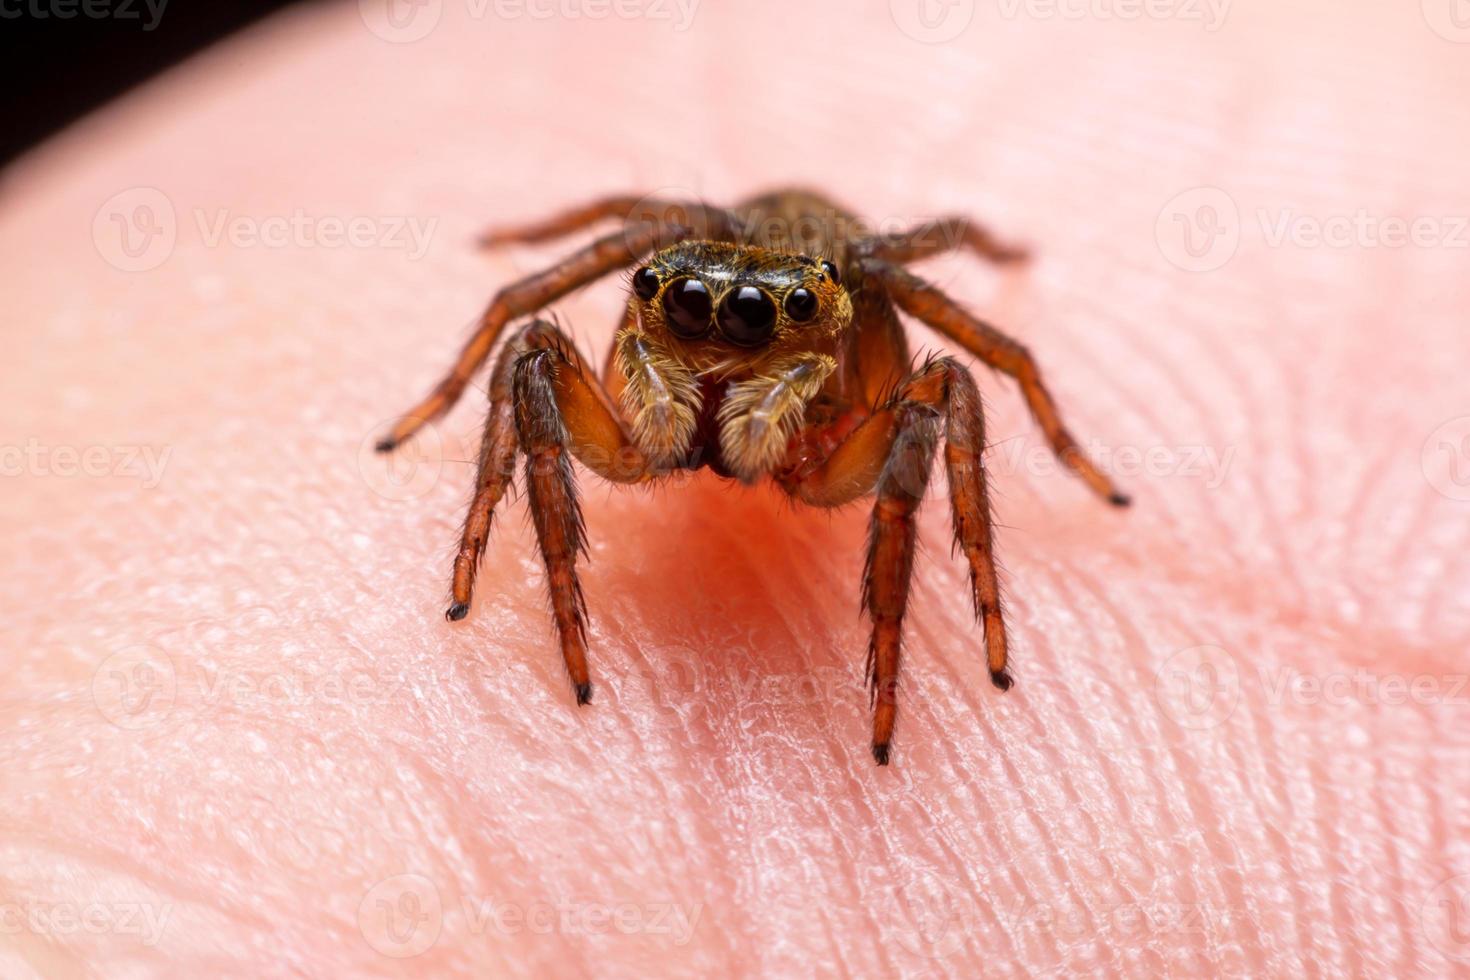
831, 271
687, 307
645, 283
800, 304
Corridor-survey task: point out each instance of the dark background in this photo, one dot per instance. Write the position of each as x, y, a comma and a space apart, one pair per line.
54, 68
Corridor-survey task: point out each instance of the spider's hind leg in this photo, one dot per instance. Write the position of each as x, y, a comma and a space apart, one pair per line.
922, 301
560, 224
940, 235
631, 211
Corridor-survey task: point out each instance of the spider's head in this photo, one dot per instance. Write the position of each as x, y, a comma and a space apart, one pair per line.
719, 305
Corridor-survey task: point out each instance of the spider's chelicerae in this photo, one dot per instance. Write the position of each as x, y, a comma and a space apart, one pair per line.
761, 340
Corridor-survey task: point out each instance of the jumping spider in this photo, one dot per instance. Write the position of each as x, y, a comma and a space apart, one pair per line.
757, 355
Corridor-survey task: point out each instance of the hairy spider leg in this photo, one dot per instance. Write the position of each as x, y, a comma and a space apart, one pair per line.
892, 452
927, 304
546, 405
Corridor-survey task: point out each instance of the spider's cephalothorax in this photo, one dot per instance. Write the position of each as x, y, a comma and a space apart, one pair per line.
742, 338
726, 305
767, 346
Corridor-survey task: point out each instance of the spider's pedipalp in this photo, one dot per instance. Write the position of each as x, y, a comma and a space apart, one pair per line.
758, 416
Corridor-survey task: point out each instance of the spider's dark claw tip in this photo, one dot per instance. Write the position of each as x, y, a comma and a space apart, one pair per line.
1120, 499
1002, 679
584, 694
386, 445
880, 753
457, 612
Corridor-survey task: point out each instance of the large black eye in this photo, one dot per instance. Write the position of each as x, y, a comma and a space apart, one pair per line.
747, 316
645, 283
800, 305
687, 307
831, 271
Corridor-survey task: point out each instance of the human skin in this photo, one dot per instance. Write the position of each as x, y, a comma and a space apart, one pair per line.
239, 738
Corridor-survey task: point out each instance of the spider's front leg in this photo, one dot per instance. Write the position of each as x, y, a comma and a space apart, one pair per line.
892, 452
546, 404
533, 293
